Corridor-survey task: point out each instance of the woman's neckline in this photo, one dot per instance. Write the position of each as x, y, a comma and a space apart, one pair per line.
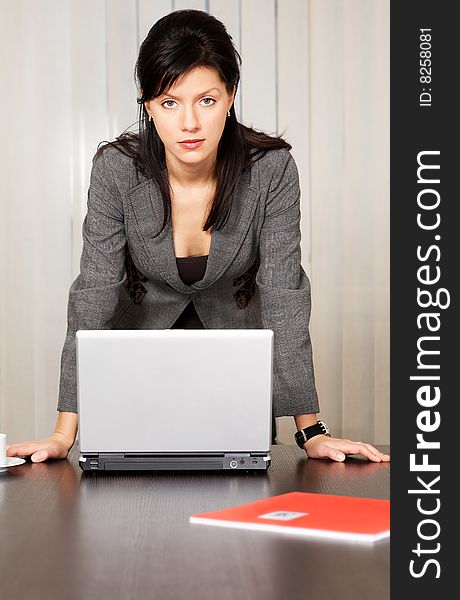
191, 257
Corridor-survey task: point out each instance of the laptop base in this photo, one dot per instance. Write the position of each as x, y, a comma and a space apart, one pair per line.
129, 461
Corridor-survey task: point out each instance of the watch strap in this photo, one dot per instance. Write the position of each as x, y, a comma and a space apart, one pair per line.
303, 435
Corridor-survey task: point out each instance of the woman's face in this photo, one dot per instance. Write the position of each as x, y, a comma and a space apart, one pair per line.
194, 108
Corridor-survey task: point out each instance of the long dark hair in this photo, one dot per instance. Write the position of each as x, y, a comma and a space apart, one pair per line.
176, 44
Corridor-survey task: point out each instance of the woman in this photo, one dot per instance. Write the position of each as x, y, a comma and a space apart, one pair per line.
194, 222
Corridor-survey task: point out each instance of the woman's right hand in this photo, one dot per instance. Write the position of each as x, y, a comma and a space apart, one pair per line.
53, 447
57, 445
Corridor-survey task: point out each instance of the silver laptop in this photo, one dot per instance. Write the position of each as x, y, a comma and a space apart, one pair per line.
175, 399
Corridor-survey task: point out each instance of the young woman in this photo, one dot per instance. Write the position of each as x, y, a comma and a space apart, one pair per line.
194, 222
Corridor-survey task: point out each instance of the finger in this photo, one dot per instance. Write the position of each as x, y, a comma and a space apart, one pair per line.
368, 451
55, 451
349, 447
383, 456
333, 453
21, 449
13, 447
39, 456
50, 451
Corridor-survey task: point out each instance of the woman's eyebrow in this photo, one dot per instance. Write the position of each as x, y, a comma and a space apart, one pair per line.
197, 96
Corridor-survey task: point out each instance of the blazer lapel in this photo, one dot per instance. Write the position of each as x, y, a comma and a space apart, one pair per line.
147, 212
158, 248
226, 242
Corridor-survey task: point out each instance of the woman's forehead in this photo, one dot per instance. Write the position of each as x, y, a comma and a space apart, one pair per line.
196, 77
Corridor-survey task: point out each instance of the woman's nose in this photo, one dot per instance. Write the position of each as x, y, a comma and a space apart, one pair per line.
189, 119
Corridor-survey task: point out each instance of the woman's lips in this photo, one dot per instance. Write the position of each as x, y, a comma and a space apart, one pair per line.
191, 145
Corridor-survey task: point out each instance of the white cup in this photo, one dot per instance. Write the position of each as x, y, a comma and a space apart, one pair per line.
2, 449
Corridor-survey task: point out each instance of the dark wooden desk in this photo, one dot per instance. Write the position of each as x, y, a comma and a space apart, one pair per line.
69, 535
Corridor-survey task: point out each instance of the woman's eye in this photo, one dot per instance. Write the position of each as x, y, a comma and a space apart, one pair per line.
208, 103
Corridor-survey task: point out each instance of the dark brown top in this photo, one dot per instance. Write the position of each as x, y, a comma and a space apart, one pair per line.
191, 269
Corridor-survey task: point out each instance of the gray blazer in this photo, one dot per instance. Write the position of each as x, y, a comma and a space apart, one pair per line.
129, 279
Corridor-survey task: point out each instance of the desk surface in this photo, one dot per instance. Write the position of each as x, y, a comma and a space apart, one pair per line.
74, 535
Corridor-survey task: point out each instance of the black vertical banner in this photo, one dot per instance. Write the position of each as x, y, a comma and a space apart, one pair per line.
425, 353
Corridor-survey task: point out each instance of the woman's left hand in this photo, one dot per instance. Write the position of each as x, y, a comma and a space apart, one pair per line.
323, 446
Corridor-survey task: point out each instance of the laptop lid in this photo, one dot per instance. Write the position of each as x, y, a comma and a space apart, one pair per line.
174, 391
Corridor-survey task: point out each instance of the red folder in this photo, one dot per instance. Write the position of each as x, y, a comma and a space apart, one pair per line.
321, 515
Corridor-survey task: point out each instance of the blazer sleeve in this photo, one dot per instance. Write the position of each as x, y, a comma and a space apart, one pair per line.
285, 294
97, 297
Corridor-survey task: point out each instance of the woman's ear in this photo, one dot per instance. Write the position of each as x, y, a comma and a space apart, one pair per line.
232, 96
147, 107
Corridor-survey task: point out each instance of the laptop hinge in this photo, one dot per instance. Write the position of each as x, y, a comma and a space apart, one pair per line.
237, 454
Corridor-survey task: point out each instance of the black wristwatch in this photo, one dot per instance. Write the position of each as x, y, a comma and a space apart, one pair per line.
303, 435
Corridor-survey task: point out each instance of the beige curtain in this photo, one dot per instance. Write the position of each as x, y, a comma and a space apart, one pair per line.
348, 203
